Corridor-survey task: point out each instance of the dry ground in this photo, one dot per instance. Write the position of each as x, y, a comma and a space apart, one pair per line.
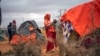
4, 46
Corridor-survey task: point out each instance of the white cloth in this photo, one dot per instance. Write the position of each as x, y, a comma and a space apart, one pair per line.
66, 31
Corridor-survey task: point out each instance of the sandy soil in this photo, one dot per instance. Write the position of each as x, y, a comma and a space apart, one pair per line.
5, 46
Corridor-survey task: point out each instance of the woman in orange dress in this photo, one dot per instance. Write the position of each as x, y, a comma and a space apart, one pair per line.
50, 33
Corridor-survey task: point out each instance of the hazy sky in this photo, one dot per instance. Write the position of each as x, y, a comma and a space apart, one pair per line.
22, 10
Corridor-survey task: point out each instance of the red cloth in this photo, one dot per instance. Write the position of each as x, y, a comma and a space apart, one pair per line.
97, 2
51, 40
81, 17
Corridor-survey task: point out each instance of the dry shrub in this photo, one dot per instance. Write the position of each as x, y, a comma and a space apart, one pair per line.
30, 48
26, 49
84, 48
77, 48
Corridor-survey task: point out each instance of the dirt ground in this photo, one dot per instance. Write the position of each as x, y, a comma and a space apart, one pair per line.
5, 46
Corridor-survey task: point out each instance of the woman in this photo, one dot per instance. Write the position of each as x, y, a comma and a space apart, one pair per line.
50, 33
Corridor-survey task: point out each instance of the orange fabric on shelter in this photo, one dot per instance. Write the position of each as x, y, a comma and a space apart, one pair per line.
20, 38
81, 17
24, 38
15, 39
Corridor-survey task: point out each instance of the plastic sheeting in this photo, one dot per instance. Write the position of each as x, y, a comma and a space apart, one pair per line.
85, 18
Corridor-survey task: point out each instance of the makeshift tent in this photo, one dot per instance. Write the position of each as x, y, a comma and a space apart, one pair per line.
24, 33
24, 28
85, 17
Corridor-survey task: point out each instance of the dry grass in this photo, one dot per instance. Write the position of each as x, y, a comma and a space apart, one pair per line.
74, 48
